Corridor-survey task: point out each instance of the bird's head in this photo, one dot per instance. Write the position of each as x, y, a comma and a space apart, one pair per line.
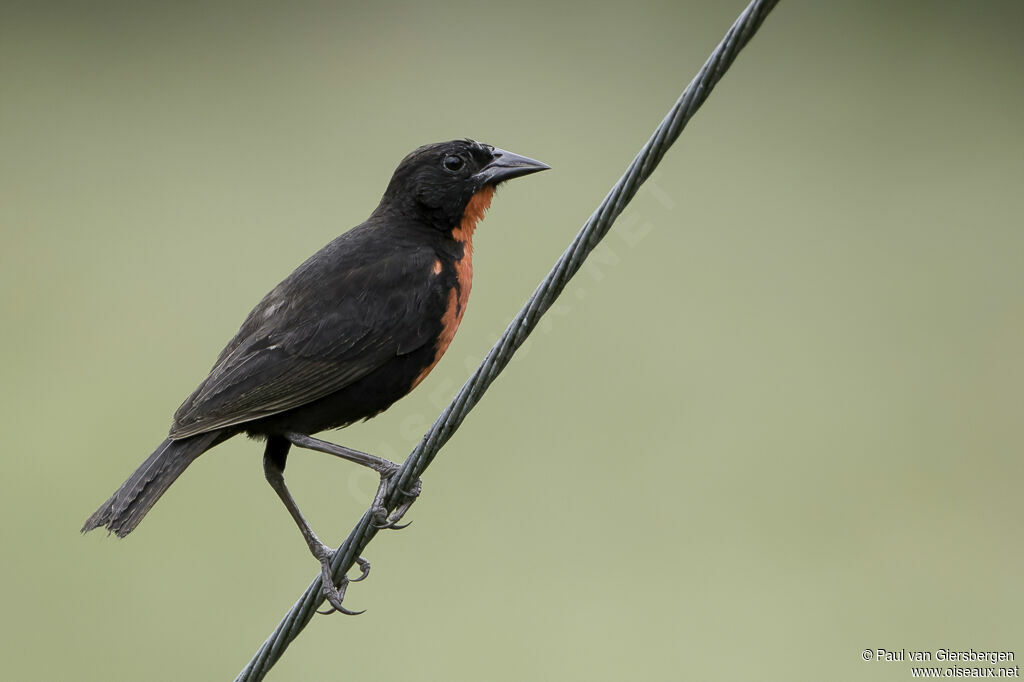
438, 181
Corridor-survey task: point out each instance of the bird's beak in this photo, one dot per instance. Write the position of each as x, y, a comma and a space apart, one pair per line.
505, 166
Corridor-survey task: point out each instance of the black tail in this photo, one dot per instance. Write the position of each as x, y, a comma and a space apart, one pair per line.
136, 496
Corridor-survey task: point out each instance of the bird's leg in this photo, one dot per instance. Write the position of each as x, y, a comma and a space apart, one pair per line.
274, 458
384, 467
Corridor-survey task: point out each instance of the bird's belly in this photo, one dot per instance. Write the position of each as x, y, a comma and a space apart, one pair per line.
361, 399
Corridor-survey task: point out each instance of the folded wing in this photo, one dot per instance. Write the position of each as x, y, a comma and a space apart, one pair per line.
299, 345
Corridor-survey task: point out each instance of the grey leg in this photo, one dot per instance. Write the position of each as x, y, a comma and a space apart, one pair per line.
274, 458
384, 467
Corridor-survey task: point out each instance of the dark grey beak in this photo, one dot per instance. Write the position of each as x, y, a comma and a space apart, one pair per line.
505, 166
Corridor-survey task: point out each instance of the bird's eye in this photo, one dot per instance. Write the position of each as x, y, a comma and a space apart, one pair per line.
452, 162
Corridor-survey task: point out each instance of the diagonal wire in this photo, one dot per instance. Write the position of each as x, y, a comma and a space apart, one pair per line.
596, 227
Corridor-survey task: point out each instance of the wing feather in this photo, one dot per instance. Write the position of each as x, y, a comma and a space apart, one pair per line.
317, 332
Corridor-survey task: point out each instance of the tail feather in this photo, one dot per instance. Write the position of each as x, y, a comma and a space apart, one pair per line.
136, 496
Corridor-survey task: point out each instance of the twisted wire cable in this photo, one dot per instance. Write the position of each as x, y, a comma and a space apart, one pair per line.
596, 227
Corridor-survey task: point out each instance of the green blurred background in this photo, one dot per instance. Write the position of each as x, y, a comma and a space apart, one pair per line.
777, 422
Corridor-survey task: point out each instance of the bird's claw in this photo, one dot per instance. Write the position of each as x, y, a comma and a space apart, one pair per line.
387, 523
364, 570
336, 594
417, 488
382, 520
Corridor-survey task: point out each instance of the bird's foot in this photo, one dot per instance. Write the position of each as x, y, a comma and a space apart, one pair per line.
335, 594
382, 520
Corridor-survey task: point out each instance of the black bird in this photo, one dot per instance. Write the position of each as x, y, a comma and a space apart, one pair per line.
349, 332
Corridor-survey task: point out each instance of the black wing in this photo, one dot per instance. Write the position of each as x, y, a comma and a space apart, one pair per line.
321, 329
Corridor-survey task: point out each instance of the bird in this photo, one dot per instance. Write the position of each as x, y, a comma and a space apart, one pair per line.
353, 329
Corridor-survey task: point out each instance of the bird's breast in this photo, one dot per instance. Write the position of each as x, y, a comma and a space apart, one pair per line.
462, 264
